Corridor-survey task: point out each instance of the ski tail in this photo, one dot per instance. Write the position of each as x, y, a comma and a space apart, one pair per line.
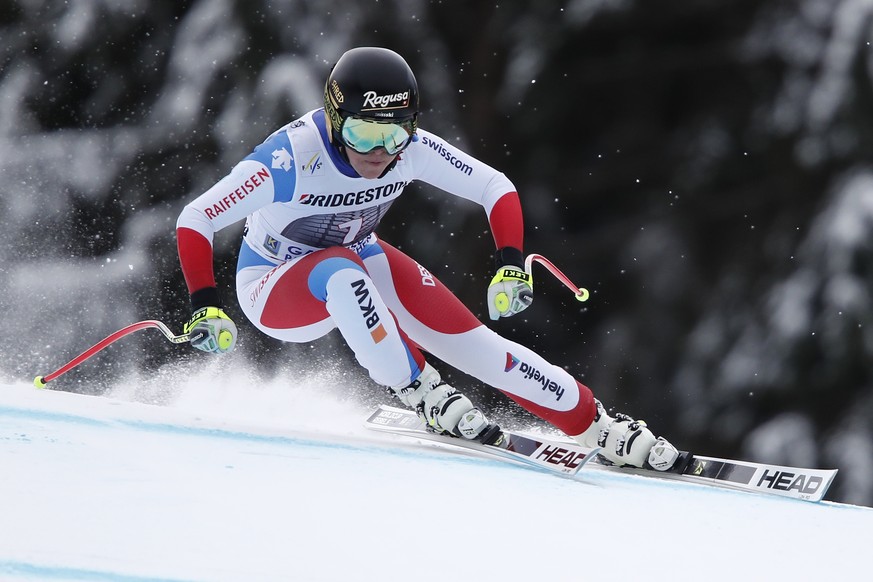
560, 458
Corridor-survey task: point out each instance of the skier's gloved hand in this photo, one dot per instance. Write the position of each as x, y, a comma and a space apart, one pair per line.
510, 292
211, 330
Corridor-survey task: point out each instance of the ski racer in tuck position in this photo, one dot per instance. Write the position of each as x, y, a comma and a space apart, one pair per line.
313, 194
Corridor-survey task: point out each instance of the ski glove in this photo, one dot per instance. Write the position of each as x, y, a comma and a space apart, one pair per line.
510, 292
211, 330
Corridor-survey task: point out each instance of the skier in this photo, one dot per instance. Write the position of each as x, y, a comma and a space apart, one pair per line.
313, 194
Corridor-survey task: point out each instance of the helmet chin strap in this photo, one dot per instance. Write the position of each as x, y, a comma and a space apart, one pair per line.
390, 166
341, 150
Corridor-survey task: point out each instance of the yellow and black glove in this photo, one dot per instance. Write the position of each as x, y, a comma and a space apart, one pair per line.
211, 330
511, 288
510, 292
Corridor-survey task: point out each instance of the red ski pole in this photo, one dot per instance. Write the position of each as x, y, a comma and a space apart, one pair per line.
41, 381
581, 293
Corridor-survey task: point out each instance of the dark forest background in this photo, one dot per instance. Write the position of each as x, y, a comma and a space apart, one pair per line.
703, 168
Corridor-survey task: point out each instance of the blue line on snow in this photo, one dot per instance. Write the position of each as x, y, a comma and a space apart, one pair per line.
26, 570
211, 432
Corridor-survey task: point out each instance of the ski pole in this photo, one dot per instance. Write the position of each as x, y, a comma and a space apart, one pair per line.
581, 293
40, 381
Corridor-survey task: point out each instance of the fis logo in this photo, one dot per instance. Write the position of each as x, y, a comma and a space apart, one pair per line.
368, 311
313, 165
531, 373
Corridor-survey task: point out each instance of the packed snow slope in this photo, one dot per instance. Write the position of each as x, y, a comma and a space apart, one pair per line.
224, 479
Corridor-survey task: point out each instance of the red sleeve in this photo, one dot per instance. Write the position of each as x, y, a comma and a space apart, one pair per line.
507, 224
195, 255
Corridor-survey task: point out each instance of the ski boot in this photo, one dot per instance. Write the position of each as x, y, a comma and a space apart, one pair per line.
445, 410
628, 442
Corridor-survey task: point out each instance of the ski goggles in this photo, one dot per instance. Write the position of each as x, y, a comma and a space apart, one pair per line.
365, 135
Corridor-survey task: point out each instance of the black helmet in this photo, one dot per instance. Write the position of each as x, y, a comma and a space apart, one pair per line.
370, 83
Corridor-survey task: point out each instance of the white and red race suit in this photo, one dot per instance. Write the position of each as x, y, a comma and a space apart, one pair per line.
310, 261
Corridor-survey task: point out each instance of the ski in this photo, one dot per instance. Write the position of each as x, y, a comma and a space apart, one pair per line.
566, 457
795, 482
553, 457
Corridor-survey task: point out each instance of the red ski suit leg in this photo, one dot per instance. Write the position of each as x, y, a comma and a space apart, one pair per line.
441, 324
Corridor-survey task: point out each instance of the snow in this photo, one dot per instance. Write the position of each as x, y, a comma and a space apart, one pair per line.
226, 479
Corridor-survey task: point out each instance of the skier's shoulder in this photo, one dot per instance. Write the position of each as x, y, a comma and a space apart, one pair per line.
430, 150
426, 141
281, 138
